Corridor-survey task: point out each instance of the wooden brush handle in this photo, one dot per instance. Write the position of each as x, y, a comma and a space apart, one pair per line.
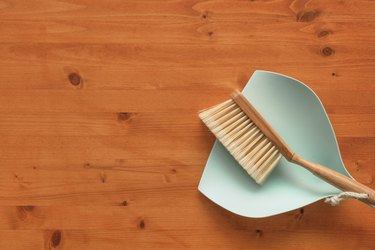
262, 124
336, 179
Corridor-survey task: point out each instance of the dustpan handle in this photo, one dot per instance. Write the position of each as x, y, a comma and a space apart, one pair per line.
336, 179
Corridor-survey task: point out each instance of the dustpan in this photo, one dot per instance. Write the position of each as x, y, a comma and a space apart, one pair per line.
298, 115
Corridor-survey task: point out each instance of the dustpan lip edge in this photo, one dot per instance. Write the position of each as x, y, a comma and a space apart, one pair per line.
218, 203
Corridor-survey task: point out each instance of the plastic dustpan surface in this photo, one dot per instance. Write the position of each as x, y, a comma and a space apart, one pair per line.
297, 114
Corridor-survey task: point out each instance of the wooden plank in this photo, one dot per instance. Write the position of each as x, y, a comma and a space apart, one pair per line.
120, 239
101, 124
149, 123
13, 101
143, 208
214, 78
191, 29
29, 147
155, 231
168, 55
118, 147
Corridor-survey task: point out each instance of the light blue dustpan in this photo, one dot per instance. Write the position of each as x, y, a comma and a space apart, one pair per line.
297, 114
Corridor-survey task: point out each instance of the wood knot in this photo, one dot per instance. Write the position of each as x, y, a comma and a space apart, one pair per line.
28, 208
324, 33
103, 177
166, 178
307, 16
142, 224
87, 165
125, 203
74, 78
210, 33
204, 15
327, 51
23, 211
299, 215
358, 166
259, 233
174, 171
301, 211
56, 238
333, 74
124, 116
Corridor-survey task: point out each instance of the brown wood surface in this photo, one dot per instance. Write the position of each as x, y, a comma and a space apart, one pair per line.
101, 146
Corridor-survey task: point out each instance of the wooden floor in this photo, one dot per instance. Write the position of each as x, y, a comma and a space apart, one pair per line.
101, 146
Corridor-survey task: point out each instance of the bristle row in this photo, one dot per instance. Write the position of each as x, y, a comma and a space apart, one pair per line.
234, 129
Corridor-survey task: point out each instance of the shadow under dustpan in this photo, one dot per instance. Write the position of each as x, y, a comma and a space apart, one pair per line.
297, 114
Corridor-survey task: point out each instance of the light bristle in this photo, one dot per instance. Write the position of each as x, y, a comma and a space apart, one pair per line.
242, 138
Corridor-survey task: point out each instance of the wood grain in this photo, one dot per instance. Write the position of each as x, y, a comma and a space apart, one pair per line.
101, 146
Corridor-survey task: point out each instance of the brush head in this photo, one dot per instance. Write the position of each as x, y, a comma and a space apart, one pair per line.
242, 138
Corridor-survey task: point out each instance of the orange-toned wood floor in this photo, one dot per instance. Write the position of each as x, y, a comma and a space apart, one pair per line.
101, 146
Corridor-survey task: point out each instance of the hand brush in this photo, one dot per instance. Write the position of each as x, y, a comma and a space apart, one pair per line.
257, 147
